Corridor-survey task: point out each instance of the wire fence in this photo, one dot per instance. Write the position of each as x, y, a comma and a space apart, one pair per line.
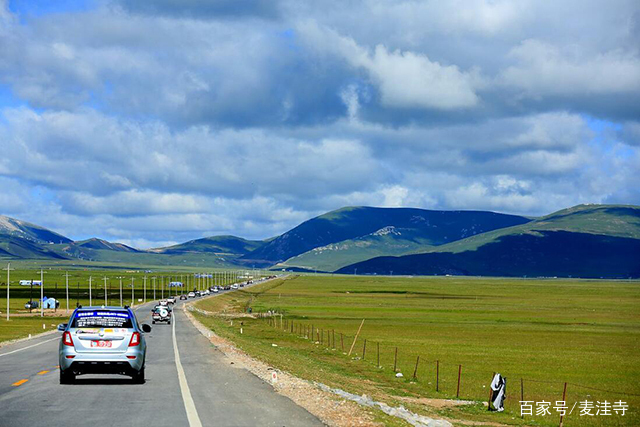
444, 379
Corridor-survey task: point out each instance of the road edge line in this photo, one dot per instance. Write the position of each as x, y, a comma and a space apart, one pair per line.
189, 404
30, 346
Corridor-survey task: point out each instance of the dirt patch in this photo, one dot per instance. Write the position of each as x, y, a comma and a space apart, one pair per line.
330, 409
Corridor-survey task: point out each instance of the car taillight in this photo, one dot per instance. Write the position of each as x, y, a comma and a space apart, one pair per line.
135, 339
66, 339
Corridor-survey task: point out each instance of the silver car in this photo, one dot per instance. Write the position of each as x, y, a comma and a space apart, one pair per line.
102, 340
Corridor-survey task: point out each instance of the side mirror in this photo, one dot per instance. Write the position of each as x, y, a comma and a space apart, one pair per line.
62, 327
146, 328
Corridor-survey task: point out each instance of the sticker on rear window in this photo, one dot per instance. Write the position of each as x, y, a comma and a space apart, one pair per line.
104, 319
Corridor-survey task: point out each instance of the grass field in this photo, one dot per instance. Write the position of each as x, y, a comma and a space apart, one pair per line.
546, 332
21, 325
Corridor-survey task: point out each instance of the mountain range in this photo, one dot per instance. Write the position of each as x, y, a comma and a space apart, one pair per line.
582, 241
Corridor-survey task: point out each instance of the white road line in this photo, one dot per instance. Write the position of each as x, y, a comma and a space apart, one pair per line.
189, 405
31, 346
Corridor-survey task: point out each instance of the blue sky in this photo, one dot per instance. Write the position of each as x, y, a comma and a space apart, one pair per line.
157, 121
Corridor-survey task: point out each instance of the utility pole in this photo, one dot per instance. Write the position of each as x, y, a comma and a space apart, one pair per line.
132, 296
90, 300
105, 292
67, 284
8, 282
154, 287
144, 293
121, 291
41, 292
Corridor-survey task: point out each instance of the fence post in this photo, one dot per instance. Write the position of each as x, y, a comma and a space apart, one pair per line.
437, 375
333, 334
564, 400
364, 349
378, 345
415, 371
459, 373
522, 392
356, 337
395, 360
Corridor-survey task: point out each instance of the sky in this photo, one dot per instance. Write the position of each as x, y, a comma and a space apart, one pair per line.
151, 122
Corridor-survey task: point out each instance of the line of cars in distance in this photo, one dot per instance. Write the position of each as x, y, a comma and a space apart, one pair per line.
109, 339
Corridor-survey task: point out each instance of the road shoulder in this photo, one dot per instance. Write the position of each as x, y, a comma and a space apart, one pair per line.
328, 408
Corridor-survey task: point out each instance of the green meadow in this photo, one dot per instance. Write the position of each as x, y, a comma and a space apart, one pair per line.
105, 289
538, 334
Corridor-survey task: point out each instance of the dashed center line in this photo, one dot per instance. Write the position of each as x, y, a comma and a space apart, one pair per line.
42, 372
17, 383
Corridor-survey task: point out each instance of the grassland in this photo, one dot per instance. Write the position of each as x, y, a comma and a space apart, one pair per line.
545, 332
22, 322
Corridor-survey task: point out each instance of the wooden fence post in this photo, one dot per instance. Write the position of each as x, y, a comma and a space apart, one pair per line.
378, 345
415, 371
564, 400
355, 338
341, 341
459, 373
437, 375
364, 349
333, 334
395, 360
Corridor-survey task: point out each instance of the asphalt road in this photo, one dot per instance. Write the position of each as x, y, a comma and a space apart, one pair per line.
211, 392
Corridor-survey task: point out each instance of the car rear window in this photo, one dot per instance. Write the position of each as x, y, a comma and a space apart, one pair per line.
102, 319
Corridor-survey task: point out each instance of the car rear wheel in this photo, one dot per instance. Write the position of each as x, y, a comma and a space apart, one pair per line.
138, 377
67, 377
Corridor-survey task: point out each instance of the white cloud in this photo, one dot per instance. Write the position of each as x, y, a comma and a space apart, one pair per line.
159, 123
405, 79
544, 69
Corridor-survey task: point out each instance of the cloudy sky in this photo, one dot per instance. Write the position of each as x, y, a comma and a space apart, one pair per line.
157, 121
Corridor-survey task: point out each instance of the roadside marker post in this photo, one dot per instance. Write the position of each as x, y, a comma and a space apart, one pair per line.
459, 374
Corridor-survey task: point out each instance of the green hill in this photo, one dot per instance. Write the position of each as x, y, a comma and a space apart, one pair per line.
357, 233
215, 244
104, 245
583, 241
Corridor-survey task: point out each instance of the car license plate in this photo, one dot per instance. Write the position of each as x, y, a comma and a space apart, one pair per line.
101, 344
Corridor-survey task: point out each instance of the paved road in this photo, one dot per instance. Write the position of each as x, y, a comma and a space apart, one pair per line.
213, 392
